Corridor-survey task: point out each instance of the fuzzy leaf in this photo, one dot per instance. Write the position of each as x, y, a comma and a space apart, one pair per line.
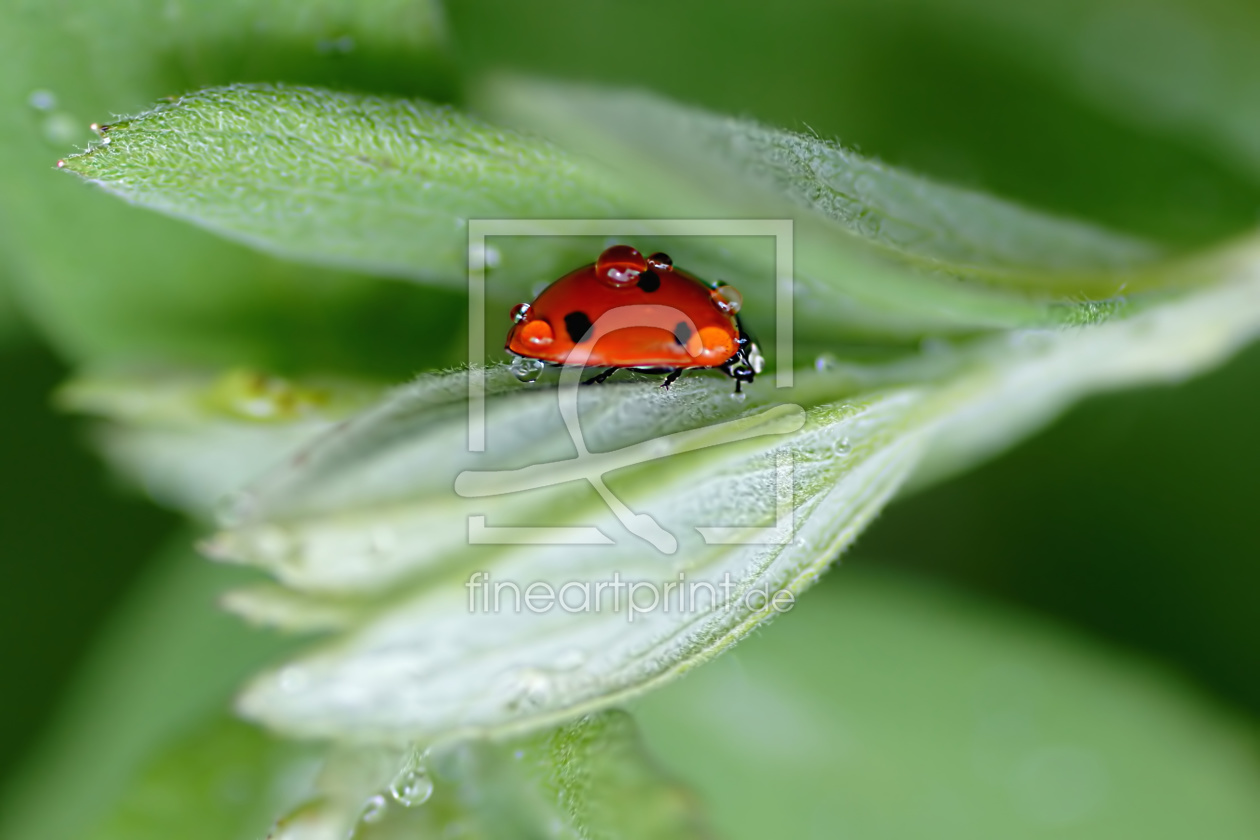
747, 163
383, 185
105, 282
190, 438
878, 251
374, 509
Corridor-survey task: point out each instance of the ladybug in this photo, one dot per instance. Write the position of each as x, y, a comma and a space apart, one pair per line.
628, 311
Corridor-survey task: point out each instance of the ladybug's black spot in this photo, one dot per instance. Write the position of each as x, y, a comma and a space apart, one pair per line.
682, 332
649, 281
578, 324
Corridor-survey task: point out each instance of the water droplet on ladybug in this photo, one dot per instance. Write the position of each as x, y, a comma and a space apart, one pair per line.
526, 370
537, 333
620, 265
660, 261
519, 312
727, 298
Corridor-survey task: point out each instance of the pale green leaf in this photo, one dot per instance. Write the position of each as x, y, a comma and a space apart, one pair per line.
189, 438
369, 510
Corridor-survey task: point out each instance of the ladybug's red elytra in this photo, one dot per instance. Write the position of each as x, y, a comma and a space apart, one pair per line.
628, 311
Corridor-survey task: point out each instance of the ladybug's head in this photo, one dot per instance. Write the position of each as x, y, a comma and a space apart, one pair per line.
747, 361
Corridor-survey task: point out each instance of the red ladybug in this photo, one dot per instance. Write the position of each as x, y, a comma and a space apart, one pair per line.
625, 311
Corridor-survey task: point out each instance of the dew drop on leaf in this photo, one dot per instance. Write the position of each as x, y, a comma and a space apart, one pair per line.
373, 810
413, 785
526, 370
527, 688
234, 508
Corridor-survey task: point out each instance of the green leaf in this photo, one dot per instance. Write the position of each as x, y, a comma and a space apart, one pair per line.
878, 253
750, 166
590, 779
383, 185
386, 185
189, 438
368, 512
609, 786
886, 708
109, 283
227, 781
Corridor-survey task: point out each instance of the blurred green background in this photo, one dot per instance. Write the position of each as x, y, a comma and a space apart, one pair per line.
1128, 523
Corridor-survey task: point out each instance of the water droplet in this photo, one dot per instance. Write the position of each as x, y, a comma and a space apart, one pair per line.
42, 100
61, 128
412, 786
373, 810
526, 370
825, 362
841, 448
620, 265
739, 396
519, 312
660, 262
293, 679
528, 689
233, 509
727, 298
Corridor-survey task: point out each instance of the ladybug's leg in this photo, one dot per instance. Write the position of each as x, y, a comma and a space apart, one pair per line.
600, 377
672, 378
